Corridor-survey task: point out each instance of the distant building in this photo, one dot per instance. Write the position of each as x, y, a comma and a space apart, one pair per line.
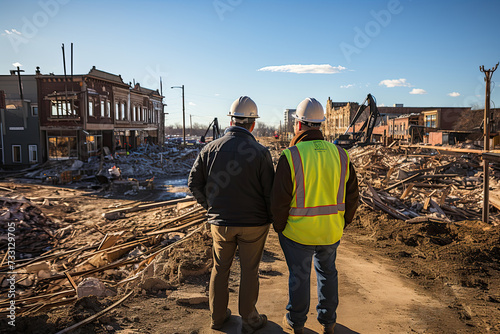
288, 123
19, 129
409, 124
338, 116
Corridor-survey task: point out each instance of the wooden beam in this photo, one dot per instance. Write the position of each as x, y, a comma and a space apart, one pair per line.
397, 184
174, 229
407, 191
450, 149
95, 316
113, 214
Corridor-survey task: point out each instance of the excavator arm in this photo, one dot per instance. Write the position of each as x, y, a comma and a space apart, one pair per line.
362, 136
215, 130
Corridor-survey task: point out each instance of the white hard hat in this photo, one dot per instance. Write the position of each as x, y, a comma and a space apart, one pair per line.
243, 108
310, 111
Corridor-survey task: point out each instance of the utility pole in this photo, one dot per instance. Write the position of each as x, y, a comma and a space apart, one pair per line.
183, 115
18, 72
486, 177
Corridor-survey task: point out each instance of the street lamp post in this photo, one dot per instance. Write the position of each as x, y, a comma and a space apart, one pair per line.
183, 116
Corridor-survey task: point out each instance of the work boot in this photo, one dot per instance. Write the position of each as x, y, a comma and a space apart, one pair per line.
252, 325
289, 328
329, 329
226, 319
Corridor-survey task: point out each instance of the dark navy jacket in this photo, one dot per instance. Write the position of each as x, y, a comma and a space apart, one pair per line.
232, 178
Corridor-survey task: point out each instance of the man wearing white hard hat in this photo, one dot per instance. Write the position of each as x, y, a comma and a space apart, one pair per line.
232, 178
315, 196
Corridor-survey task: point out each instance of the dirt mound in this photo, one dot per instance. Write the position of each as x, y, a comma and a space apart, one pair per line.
64, 317
170, 268
457, 261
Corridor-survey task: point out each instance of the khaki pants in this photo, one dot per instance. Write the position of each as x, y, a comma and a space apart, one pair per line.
250, 242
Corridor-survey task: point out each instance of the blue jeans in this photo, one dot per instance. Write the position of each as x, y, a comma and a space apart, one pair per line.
299, 258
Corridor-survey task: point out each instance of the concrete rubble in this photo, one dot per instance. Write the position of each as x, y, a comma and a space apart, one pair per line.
143, 163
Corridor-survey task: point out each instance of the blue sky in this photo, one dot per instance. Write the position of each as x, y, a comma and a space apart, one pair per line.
417, 52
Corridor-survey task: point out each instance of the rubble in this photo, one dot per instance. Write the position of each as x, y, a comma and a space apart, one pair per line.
34, 232
421, 183
61, 268
154, 250
91, 286
145, 162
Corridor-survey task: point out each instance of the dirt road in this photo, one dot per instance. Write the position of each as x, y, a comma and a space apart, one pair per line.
374, 298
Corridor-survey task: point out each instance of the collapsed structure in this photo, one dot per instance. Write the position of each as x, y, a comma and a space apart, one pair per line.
75, 117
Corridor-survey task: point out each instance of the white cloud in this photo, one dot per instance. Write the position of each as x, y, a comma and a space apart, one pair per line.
217, 94
394, 83
324, 68
192, 103
418, 91
347, 86
12, 31
17, 64
454, 94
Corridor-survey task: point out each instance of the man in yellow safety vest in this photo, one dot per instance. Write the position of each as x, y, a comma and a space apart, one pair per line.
315, 196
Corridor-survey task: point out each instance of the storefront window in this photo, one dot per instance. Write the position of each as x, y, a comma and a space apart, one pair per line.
61, 148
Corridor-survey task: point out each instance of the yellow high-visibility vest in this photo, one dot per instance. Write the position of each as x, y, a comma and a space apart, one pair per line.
320, 171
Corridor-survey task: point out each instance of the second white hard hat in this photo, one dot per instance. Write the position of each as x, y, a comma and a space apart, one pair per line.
310, 111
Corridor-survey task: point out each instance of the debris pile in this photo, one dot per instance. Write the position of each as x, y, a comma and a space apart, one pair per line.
151, 257
25, 227
418, 184
142, 163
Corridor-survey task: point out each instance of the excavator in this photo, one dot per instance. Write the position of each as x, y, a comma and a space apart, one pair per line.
362, 136
215, 130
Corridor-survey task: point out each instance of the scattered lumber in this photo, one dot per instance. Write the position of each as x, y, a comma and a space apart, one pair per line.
399, 180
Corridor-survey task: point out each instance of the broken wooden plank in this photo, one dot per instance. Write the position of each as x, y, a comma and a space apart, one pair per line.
425, 219
119, 213
374, 193
71, 281
171, 220
444, 195
384, 207
95, 316
447, 149
175, 229
437, 207
397, 184
119, 263
110, 239
429, 185
407, 191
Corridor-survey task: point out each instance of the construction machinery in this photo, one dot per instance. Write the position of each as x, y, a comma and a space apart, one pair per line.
363, 135
215, 130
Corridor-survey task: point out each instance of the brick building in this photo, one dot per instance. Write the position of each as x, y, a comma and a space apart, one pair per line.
80, 115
